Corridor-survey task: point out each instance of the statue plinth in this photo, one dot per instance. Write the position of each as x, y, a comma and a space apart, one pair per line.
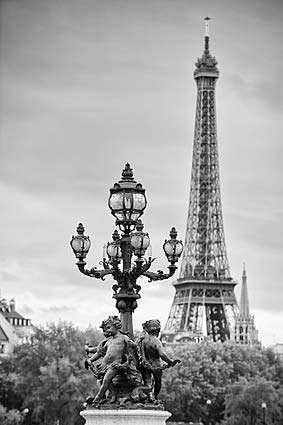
125, 417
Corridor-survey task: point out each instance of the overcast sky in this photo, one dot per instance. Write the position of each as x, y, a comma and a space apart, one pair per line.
89, 85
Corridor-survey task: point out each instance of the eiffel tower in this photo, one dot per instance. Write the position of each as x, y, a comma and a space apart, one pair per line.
204, 305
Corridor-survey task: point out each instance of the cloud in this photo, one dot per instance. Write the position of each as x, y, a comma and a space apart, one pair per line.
57, 309
26, 310
268, 333
7, 277
268, 92
88, 88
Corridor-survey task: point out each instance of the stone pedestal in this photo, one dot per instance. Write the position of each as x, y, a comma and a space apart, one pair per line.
125, 417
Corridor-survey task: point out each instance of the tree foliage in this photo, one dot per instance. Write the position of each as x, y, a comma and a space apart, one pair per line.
244, 402
10, 417
48, 378
214, 371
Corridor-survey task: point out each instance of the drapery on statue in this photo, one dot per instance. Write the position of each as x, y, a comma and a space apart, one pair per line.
126, 371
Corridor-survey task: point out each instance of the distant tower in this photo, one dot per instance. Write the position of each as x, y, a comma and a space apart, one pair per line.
204, 303
245, 330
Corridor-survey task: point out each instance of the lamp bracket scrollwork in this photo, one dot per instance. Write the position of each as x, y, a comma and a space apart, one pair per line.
160, 275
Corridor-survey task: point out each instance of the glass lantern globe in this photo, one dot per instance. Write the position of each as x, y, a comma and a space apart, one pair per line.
173, 248
113, 251
139, 240
113, 248
80, 244
127, 200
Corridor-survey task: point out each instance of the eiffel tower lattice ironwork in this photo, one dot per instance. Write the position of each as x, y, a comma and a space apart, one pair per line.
204, 302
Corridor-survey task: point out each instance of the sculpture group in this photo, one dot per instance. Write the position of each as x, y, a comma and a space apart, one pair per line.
129, 373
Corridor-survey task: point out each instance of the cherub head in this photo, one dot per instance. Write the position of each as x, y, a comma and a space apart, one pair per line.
111, 325
103, 327
152, 327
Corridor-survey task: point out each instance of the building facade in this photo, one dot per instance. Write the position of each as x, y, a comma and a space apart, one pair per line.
14, 328
278, 350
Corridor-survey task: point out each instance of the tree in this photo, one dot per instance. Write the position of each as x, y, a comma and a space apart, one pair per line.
208, 372
9, 396
49, 374
48, 378
244, 403
10, 417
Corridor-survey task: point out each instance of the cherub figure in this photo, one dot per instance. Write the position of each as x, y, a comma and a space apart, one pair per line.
150, 351
112, 352
98, 353
93, 359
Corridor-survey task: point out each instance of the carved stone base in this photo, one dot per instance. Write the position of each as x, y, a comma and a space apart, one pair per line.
125, 417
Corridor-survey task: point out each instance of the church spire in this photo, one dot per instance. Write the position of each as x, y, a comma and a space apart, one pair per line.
245, 330
244, 300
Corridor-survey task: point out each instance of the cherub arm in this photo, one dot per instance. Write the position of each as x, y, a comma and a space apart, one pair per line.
90, 349
164, 356
94, 357
130, 343
98, 352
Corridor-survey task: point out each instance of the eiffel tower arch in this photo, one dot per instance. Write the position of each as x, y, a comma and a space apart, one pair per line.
204, 304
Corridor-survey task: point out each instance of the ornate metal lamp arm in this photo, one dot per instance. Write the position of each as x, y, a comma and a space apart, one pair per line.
94, 272
173, 249
160, 275
142, 265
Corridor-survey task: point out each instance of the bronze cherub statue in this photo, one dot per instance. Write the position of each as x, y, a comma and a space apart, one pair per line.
129, 373
151, 351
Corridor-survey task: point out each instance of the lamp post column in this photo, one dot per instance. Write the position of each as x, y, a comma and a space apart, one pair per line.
126, 298
126, 304
126, 250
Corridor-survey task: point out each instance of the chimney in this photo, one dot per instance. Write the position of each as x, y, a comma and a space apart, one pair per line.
12, 304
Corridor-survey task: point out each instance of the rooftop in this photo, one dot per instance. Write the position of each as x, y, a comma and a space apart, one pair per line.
3, 336
8, 309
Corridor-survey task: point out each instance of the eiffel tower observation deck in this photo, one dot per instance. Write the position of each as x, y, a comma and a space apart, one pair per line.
204, 304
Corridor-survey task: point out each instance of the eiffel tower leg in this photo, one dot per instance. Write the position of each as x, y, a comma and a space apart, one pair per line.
199, 310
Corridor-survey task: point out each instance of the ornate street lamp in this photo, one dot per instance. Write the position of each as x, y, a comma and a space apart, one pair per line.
127, 203
80, 244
